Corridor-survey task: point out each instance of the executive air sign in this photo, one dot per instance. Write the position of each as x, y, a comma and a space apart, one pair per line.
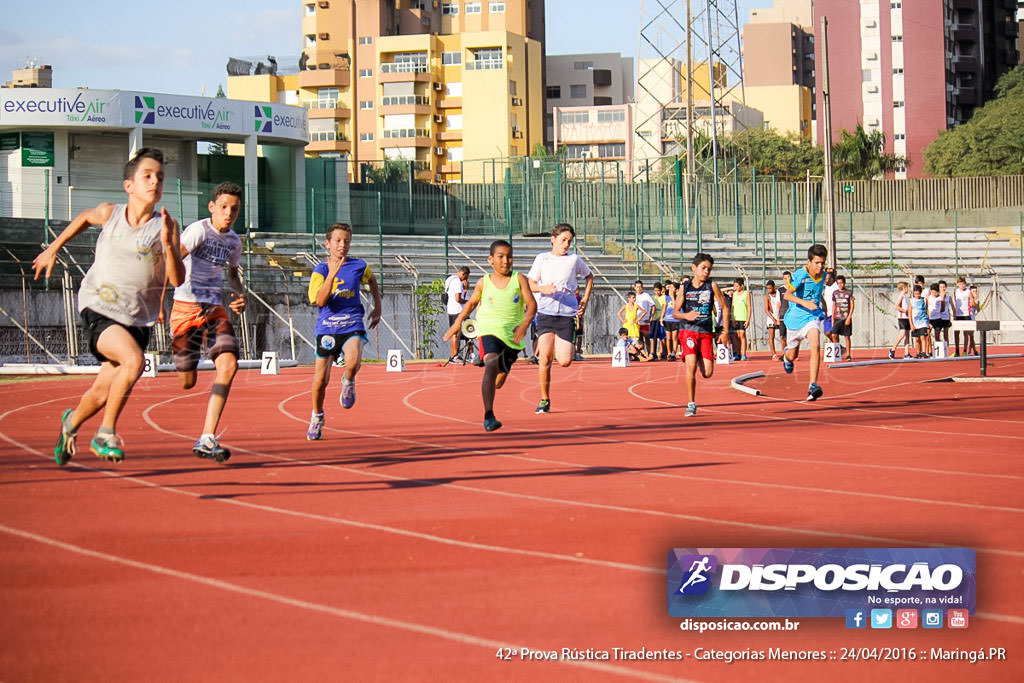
816, 582
56, 107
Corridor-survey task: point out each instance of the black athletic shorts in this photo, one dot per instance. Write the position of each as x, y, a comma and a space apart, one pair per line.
95, 323
920, 332
331, 345
939, 323
903, 323
506, 354
841, 329
564, 327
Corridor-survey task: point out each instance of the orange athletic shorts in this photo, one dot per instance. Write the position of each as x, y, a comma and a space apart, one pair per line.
195, 326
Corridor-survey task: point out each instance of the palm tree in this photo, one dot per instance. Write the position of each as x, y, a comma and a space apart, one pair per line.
860, 156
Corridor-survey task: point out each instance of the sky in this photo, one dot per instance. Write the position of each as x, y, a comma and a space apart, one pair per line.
182, 47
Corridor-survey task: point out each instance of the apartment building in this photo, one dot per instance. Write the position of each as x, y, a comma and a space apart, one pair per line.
913, 69
778, 75
430, 82
582, 80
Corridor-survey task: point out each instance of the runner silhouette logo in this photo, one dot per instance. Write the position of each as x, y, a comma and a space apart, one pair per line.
696, 579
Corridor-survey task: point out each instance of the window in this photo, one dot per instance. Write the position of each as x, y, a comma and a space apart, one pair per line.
612, 149
327, 98
486, 58
453, 122
611, 116
473, 8
309, 9
865, 75
512, 88
549, 119
453, 89
896, 5
573, 117
310, 40
582, 66
899, 136
453, 57
366, 137
450, 8
577, 151
897, 104
897, 39
366, 40
897, 72
577, 91
496, 7
366, 104
554, 92
366, 73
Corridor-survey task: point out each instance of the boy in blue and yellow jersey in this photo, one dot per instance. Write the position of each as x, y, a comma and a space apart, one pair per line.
506, 308
805, 315
334, 287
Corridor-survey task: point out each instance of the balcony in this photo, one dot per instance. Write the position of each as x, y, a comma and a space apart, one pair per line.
324, 143
602, 77
400, 72
326, 109
449, 167
405, 104
406, 137
484, 64
449, 103
449, 135
325, 78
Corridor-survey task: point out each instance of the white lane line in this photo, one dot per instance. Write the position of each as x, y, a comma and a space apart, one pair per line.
604, 506
385, 622
722, 480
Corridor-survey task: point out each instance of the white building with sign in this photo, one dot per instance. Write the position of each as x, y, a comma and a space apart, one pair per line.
55, 144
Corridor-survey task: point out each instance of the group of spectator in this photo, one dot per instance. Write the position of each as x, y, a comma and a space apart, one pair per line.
924, 317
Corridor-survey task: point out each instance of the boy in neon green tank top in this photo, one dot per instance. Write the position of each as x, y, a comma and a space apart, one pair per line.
506, 308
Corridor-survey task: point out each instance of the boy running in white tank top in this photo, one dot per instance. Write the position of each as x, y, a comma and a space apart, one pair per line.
119, 299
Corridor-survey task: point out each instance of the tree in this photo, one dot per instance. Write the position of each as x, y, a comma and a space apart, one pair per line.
782, 156
219, 147
392, 172
860, 156
991, 143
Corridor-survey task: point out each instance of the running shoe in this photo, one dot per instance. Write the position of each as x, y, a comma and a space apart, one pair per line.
107, 446
908, 356
691, 410
544, 406
892, 355
65, 447
848, 358
315, 430
814, 392
743, 358
207, 447
491, 423
348, 394
787, 365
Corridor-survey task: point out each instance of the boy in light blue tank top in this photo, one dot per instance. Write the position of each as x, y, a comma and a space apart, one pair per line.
805, 315
119, 299
506, 308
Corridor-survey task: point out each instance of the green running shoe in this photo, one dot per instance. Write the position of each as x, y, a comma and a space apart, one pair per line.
65, 447
107, 446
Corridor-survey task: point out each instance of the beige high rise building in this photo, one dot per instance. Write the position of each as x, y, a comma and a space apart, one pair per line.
431, 82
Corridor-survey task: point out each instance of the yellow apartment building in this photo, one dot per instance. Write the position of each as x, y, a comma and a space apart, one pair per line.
431, 82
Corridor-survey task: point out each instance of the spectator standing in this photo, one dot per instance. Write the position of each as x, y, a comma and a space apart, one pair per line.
455, 288
646, 302
739, 320
902, 320
962, 311
842, 314
772, 314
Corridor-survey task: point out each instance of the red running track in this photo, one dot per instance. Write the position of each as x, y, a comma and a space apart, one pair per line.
411, 545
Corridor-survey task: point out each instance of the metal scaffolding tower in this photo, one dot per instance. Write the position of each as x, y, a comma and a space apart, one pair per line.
689, 74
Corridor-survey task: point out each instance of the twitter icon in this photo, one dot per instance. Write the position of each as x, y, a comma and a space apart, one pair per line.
881, 618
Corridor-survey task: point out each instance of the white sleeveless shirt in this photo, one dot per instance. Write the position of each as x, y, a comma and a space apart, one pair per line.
126, 277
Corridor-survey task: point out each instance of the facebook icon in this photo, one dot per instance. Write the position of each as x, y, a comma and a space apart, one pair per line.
856, 618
